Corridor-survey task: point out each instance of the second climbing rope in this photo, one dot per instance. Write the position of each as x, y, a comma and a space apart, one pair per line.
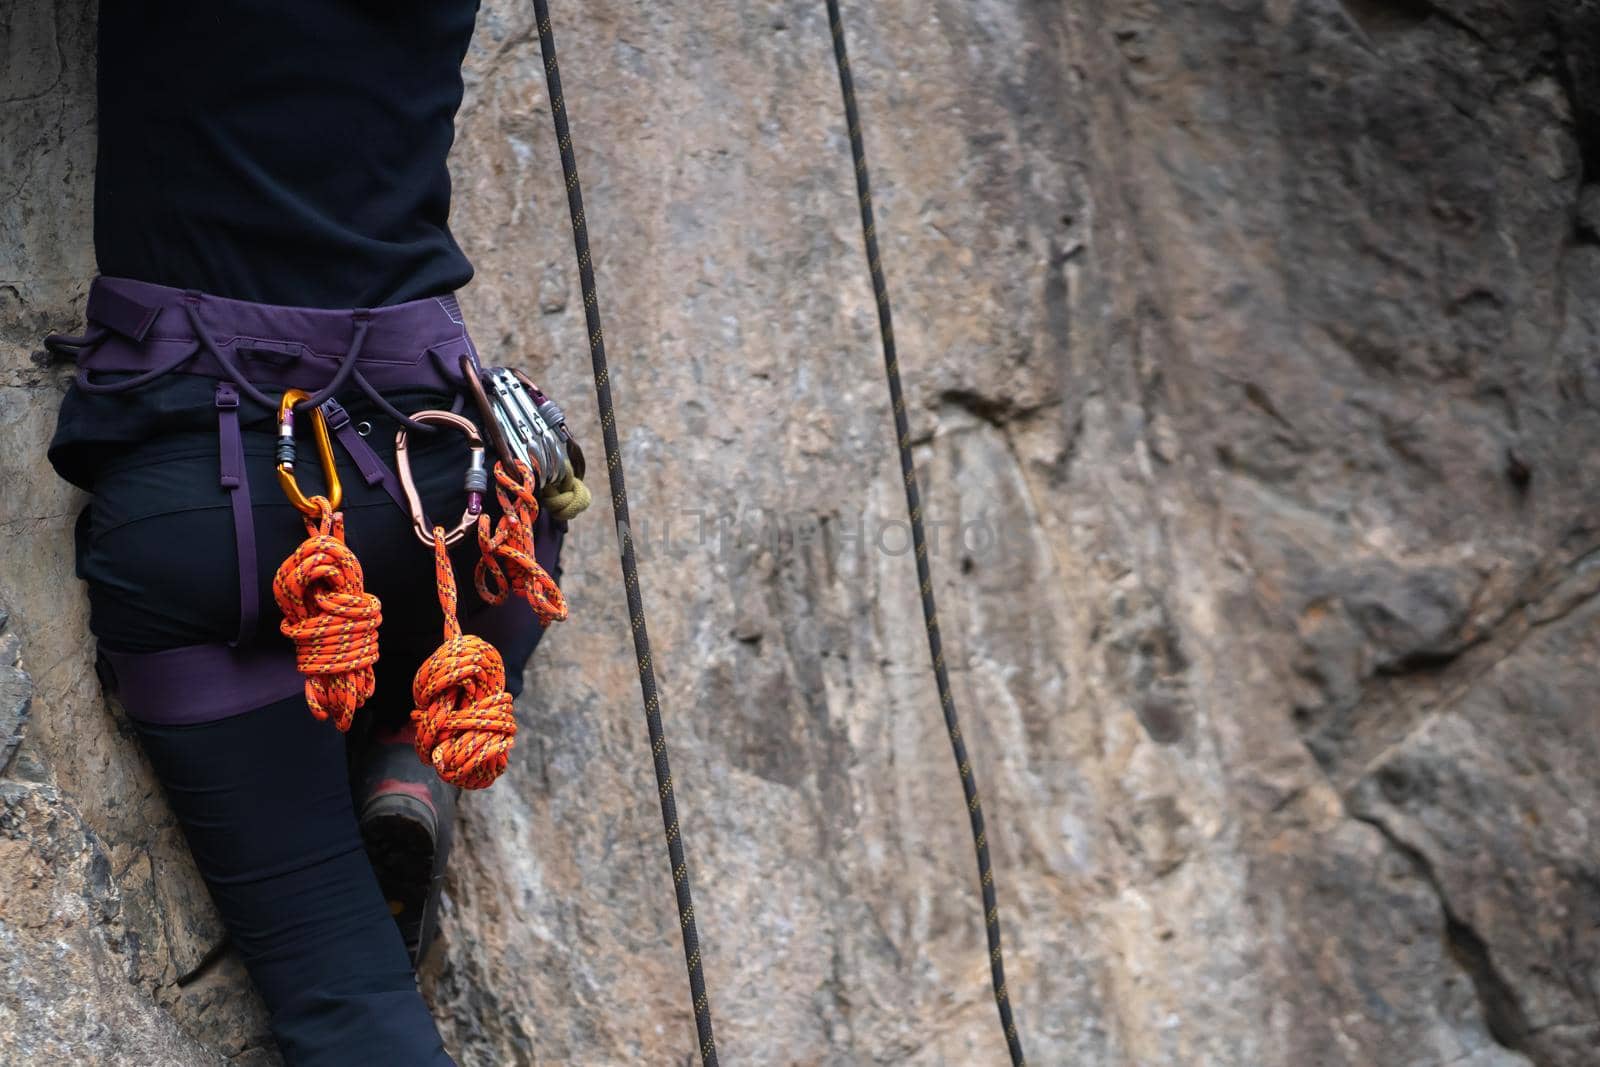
630, 567
919, 539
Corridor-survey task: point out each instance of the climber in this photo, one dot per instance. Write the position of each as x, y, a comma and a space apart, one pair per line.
271, 214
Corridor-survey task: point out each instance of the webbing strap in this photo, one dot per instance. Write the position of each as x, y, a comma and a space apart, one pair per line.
374, 471
630, 567
919, 538
201, 683
236, 482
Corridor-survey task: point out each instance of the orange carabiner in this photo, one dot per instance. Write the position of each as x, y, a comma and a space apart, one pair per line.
286, 454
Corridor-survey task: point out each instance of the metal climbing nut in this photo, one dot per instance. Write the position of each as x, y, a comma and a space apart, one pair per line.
286, 454
477, 479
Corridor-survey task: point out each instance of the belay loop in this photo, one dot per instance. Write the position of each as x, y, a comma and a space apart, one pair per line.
331, 618
463, 714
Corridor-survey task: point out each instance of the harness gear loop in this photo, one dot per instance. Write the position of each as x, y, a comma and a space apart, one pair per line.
919, 537
331, 618
476, 482
694, 961
508, 564
463, 714
286, 455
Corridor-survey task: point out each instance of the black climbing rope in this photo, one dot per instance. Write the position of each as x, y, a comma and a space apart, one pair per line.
630, 568
919, 538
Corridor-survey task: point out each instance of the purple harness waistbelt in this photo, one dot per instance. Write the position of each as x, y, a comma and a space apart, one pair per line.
147, 331
150, 330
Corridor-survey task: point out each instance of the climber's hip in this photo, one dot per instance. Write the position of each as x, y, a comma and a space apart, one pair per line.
156, 546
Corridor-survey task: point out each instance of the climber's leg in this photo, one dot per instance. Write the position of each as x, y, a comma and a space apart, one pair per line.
264, 800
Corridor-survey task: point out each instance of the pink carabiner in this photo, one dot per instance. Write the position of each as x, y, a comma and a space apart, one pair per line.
477, 480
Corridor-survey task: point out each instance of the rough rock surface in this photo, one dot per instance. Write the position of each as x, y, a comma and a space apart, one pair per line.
1251, 346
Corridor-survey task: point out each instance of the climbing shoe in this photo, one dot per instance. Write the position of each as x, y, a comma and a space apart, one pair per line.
407, 815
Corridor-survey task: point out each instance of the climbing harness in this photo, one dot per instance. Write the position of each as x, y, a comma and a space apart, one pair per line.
919, 537
327, 612
140, 331
693, 961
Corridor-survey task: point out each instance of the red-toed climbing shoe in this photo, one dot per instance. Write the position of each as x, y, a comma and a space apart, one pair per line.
407, 815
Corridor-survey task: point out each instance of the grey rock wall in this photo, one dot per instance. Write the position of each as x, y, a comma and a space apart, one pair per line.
1251, 350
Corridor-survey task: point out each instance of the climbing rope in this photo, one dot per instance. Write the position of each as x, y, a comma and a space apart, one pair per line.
630, 568
465, 725
507, 564
331, 618
919, 538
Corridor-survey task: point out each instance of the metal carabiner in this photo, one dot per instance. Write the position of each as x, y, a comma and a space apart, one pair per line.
540, 447
286, 454
476, 481
556, 420
522, 423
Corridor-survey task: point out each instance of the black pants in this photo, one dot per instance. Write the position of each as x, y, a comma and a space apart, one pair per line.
264, 797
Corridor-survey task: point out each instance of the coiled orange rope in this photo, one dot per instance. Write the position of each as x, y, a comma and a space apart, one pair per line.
331, 618
508, 564
465, 726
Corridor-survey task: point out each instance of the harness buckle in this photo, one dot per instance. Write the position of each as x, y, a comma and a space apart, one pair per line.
286, 454
476, 482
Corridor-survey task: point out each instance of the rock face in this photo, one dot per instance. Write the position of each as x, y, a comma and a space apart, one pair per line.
1251, 349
